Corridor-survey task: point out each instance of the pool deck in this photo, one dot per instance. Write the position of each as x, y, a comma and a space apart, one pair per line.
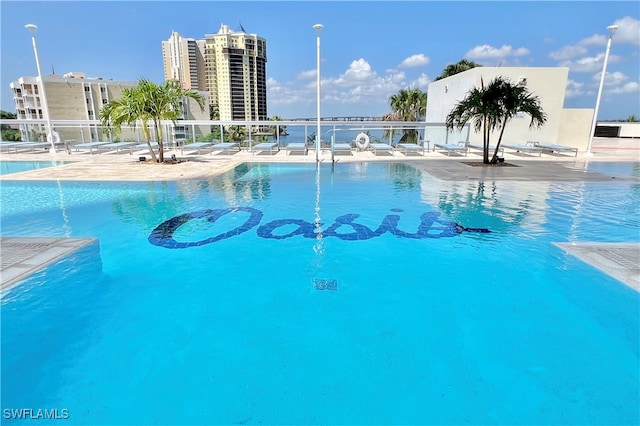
619, 262
126, 167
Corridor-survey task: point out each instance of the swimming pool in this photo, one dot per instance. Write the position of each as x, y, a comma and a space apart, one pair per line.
7, 167
417, 323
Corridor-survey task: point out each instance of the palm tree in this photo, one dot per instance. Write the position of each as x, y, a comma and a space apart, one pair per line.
406, 105
128, 109
460, 66
491, 107
235, 133
281, 129
214, 112
632, 119
9, 134
148, 102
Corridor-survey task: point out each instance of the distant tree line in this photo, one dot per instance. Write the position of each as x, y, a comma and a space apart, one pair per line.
9, 134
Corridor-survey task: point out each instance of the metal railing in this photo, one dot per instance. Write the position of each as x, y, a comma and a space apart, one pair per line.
283, 132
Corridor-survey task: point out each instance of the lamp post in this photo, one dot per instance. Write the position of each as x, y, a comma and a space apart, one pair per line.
318, 28
45, 106
612, 29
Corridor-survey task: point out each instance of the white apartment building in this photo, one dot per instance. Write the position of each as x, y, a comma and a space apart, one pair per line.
564, 126
74, 97
69, 97
234, 70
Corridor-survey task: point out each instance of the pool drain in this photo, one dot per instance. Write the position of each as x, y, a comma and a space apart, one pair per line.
322, 284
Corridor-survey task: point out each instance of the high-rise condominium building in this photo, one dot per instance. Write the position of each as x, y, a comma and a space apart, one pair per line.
184, 61
234, 71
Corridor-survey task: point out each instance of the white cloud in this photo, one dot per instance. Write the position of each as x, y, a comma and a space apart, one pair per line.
422, 82
567, 52
418, 60
594, 40
630, 87
359, 86
284, 94
612, 78
574, 89
308, 74
629, 31
358, 71
489, 52
588, 63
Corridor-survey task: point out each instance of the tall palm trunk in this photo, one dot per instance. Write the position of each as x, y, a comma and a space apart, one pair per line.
147, 136
485, 151
156, 124
494, 158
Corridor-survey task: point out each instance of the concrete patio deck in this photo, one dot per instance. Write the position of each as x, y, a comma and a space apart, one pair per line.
127, 167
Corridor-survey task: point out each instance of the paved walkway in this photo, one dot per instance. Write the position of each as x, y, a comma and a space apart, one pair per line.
125, 166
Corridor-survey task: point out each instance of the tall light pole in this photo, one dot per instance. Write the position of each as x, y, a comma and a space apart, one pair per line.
45, 106
318, 28
612, 29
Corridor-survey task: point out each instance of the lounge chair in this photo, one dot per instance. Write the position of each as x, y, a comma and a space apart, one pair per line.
6, 146
89, 145
528, 148
300, 147
117, 147
32, 146
382, 147
344, 147
225, 147
419, 148
140, 146
196, 146
557, 149
265, 146
461, 147
492, 148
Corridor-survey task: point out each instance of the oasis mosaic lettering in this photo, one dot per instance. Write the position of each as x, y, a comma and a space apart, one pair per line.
344, 227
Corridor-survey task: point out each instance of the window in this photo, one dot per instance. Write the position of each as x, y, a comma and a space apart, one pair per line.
103, 89
90, 113
87, 89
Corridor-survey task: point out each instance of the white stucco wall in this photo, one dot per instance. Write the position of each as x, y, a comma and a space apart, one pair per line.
548, 83
574, 128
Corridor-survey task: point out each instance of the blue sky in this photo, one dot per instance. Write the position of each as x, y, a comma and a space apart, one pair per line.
369, 50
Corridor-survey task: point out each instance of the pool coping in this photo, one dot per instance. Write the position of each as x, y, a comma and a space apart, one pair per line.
22, 256
618, 260
117, 167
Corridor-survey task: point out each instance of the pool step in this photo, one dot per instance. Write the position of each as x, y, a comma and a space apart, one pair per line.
619, 260
22, 256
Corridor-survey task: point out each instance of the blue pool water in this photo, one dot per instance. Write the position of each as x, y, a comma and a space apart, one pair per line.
424, 326
7, 167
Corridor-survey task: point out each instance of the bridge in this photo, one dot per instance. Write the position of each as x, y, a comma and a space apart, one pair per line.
337, 119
